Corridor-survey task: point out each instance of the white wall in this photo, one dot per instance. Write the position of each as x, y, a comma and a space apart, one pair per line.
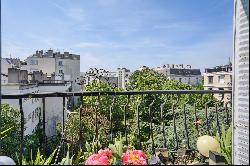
71, 70
191, 80
47, 65
32, 107
4, 66
53, 108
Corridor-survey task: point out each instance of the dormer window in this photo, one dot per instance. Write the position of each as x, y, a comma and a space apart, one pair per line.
33, 62
60, 63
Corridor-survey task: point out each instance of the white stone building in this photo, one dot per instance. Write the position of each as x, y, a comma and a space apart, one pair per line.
119, 78
56, 63
219, 78
123, 75
182, 73
33, 107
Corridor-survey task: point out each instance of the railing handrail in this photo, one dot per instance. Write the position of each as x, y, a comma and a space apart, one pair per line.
102, 93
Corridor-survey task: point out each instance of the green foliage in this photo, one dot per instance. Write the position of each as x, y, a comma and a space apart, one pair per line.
117, 149
5, 132
226, 143
67, 160
11, 134
72, 128
39, 159
143, 80
146, 79
97, 109
52, 159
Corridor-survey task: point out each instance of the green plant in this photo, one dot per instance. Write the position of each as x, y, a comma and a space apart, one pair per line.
226, 143
4, 133
117, 149
39, 159
67, 160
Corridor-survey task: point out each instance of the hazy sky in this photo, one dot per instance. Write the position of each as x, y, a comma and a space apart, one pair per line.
121, 33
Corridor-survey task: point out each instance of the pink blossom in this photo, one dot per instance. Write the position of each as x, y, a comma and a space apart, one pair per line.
102, 158
134, 157
106, 152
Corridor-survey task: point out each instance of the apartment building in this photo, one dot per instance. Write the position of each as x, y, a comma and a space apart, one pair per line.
183, 73
118, 78
219, 78
123, 75
19, 83
57, 64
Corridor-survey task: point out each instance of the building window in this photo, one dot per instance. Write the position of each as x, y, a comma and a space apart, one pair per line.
221, 79
197, 81
60, 63
61, 71
33, 62
210, 79
33, 116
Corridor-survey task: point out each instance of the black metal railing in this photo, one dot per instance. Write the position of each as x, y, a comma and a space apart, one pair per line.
194, 98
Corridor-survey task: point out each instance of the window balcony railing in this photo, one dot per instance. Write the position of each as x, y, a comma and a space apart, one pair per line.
172, 102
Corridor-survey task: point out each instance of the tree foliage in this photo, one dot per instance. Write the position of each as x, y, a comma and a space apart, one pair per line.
10, 140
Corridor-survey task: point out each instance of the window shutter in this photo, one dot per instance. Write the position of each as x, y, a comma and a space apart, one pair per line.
241, 88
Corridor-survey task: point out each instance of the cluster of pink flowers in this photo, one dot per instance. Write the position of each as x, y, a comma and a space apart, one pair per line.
134, 157
101, 158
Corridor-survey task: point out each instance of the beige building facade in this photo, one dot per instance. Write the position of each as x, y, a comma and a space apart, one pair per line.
219, 78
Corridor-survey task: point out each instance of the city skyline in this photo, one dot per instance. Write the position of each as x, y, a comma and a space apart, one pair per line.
116, 34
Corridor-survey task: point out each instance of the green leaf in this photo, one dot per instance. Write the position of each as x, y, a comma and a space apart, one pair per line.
5, 131
38, 158
49, 160
77, 159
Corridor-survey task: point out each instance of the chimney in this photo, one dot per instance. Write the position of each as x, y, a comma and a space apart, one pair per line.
13, 75
66, 54
50, 53
23, 77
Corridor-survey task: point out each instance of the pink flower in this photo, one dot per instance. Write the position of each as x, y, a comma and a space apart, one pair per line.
106, 152
102, 158
134, 157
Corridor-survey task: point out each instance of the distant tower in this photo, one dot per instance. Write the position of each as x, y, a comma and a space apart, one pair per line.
241, 83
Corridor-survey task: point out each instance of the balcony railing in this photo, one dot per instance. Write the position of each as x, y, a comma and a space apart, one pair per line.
180, 99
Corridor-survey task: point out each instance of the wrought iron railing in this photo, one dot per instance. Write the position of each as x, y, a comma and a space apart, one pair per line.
175, 96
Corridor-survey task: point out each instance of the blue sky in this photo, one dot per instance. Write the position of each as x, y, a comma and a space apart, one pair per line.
121, 33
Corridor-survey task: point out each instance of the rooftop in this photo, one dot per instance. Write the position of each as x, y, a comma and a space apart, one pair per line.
51, 54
